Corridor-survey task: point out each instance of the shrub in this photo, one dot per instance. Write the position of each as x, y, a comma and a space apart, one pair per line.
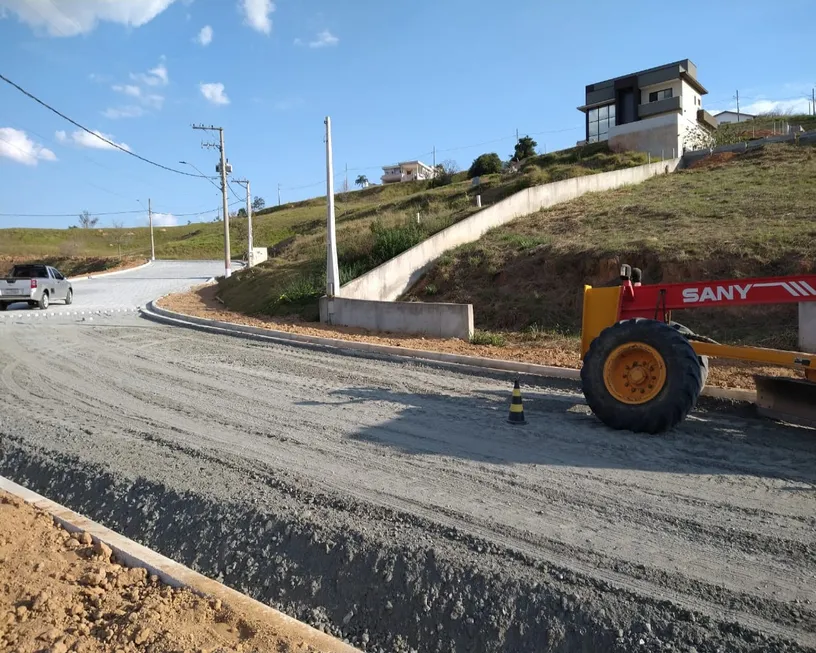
485, 164
392, 241
488, 338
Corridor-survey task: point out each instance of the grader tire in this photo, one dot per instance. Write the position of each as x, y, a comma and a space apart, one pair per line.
684, 330
641, 375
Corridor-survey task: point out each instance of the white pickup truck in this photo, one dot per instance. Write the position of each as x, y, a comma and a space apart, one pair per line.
35, 285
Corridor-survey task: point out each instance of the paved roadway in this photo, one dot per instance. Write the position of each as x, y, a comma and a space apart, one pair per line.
122, 292
717, 518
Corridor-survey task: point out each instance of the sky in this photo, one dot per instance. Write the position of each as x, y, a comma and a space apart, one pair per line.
397, 80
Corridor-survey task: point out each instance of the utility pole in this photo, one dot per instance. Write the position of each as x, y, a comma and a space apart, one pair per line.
279, 201
223, 171
245, 182
813, 99
345, 183
332, 269
150, 219
434, 157
738, 111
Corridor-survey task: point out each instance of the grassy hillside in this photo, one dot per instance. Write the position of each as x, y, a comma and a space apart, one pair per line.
751, 214
378, 223
760, 127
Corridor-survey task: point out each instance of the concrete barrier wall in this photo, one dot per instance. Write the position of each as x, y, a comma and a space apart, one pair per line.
418, 318
807, 327
391, 279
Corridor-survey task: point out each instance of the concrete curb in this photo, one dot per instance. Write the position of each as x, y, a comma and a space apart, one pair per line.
108, 274
154, 312
172, 573
180, 319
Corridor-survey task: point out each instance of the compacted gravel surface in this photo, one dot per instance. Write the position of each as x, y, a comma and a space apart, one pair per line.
390, 503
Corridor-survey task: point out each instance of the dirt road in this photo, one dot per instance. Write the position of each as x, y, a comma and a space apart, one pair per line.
392, 503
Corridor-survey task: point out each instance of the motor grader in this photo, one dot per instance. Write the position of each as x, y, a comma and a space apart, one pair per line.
643, 372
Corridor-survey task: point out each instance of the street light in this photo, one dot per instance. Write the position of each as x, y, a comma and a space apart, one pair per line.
150, 220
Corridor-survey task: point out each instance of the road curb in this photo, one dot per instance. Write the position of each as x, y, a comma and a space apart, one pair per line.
133, 554
108, 274
152, 311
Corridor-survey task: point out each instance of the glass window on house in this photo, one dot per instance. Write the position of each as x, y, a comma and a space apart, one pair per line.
600, 120
656, 96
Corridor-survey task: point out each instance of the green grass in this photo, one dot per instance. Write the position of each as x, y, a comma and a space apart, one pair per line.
488, 338
752, 215
759, 127
378, 223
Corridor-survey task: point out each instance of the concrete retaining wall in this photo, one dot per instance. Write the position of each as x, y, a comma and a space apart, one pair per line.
391, 279
418, 318
807, 327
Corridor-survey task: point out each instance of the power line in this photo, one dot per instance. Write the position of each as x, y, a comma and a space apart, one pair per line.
108, 213
93, 133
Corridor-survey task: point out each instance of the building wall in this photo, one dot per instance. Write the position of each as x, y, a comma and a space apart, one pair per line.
674, 85
659, 136
689, 106
391, 279
434, 320
732, 117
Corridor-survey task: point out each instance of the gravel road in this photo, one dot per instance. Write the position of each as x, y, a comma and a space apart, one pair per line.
123, 291
391, 503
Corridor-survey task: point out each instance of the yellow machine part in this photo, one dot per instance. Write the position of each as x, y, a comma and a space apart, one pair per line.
600, 311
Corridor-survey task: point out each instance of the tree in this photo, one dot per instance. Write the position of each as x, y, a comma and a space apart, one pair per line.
241, 213
87, 221
361, 181
485, 164
525, 148
120, 236
258, 203
445, 172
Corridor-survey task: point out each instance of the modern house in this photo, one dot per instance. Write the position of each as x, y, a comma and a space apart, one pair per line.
658, 110
733, 116
407, 171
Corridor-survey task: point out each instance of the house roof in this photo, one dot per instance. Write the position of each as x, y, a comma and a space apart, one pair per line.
741, 113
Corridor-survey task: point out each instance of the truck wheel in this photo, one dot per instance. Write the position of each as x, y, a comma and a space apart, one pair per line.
3, 306
69, 298
641, 375
43, 303
684, 330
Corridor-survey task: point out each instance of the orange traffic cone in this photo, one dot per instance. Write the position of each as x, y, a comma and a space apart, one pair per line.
516, 407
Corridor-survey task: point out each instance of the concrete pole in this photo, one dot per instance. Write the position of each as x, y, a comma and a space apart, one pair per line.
227, 255
249, 225
332, 268
150, 219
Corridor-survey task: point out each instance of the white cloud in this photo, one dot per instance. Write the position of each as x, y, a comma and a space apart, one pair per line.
128, 89
164, 220
214, 93
84, 139
325, 39
205, 36
776, 106
129, 111
17, 146
257, 14
154, 77
288, 104
789, 106
153, 101
74, 17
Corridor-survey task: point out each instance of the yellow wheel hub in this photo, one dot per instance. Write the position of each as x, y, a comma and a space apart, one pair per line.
634, 373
